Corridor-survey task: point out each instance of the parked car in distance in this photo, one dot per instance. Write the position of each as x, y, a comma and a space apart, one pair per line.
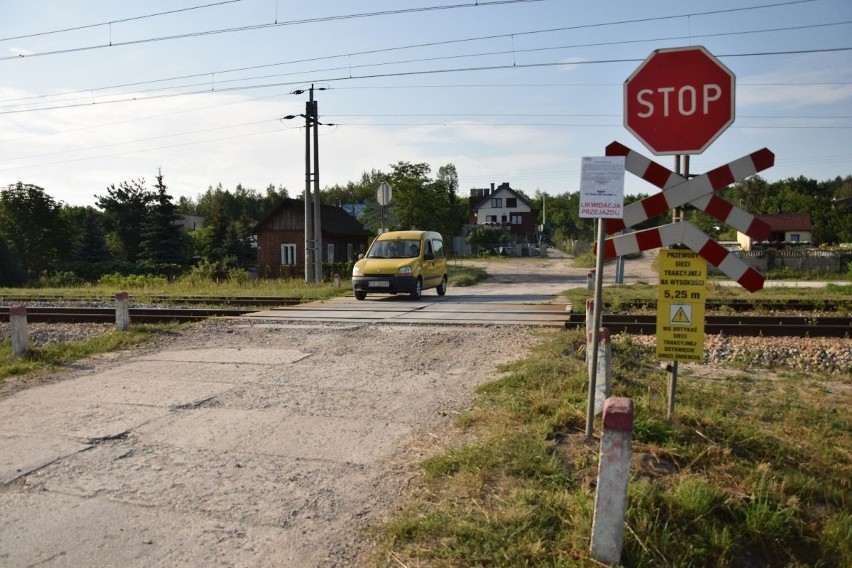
402, 262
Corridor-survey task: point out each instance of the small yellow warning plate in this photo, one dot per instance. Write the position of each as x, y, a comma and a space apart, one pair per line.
681, 297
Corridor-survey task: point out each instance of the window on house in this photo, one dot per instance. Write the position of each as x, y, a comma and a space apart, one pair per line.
497, 202
491, 218
794, 237
505, 219
350, 251
288, 254
517, 219
511, 202
330, 253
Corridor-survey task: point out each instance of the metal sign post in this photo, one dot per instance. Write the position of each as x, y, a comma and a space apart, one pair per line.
384, 195
601, 196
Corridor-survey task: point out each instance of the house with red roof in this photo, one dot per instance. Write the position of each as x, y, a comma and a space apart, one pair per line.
783, 228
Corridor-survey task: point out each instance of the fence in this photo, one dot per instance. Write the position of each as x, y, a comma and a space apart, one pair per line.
297, 271
813, 260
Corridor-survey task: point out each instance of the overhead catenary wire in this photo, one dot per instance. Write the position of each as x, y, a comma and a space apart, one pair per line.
119, 21
111, 44
343, 85
455, 41
350, 77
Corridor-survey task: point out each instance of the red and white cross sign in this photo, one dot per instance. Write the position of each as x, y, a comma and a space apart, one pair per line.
698, 192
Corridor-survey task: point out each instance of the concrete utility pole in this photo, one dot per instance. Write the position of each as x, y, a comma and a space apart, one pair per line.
313, 224
317, 205
309, 245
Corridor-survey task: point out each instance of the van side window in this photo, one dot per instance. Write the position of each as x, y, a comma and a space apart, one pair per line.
438, 247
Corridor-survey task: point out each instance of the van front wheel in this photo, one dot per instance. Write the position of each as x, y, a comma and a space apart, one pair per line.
418, 290
360, 295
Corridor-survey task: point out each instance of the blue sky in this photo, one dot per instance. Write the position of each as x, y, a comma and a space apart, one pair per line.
96, 92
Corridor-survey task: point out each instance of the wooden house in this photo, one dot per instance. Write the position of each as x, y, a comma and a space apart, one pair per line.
281, 239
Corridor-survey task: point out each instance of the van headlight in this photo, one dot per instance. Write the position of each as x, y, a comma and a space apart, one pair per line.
356, 271
404, 271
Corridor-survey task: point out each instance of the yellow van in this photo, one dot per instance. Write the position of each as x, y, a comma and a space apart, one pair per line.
402, 262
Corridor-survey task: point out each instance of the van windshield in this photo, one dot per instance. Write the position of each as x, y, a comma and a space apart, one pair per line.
399, 248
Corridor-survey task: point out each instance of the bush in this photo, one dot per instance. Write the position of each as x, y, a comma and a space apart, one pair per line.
61, 280
132, 280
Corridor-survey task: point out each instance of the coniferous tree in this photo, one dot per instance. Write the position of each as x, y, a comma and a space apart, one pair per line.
162, 238
126, 211
93, 246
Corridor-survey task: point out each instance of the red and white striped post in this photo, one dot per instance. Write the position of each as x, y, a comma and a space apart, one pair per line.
604, 369
590, 317
122, 311
613, 475
20, 335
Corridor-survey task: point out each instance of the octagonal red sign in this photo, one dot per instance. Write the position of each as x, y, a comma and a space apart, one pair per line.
679, 100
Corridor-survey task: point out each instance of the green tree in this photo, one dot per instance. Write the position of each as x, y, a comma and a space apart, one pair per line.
126, 212
93, 247
163, 240
10, 271
215, 234
355, 192
423, 203
32, 226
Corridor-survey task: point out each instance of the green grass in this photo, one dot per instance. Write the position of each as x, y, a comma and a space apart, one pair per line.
140, 290
50, 357
460, 273
618, 295
755, 470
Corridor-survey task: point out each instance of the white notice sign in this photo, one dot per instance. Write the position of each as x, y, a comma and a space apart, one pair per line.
602, 187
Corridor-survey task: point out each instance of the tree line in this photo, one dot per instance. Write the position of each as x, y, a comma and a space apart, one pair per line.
135, 229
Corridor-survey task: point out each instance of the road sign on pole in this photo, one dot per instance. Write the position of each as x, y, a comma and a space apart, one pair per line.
679, 100
680, 306
602, 187
384, 194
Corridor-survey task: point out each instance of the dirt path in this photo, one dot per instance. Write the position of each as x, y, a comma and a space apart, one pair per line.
233, 444
243, 443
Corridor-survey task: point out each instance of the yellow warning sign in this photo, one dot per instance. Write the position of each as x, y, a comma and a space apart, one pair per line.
680, 314
680, 306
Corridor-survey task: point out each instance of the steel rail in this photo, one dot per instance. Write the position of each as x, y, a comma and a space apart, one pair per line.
160, 299
639, 324
106, 315
735, 325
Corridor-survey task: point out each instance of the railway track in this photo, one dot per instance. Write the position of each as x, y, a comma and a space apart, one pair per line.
107, 315
740, 305
241, 301
637, 324
732, 325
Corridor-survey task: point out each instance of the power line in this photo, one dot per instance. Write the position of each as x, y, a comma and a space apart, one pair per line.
351, 77
476, 4
421, 45
123, 20
371, 124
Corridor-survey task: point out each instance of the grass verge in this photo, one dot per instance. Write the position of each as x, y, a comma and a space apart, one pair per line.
46, 358
754, 471
767, 297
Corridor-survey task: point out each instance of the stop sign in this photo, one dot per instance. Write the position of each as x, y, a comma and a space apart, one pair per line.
679, 100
